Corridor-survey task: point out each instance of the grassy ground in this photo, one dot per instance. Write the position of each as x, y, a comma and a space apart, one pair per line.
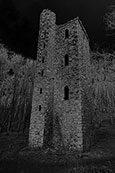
15, 156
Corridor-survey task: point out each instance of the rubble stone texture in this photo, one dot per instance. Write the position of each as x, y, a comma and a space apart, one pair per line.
61, 108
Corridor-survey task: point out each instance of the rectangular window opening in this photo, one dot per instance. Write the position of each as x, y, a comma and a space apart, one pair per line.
44, 45
42, 72
39, 107
40, 90
42, 60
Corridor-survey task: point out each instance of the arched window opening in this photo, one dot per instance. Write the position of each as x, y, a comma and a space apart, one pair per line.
40, 90
66, 93
39, 107
66, 60
66, 33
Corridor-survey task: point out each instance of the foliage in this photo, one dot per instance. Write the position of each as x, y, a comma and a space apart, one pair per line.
16, 31
110, 18
91, 169
16, 81
102, 70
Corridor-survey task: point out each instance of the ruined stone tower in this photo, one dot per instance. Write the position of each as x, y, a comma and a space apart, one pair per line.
60, 108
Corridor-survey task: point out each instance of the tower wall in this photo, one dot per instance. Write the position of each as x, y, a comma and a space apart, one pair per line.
87, 107
68, 111
63, 61
42, 93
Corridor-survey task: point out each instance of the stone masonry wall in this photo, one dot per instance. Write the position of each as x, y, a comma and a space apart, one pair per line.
42, 97
56, 121
86, 91
76, 114
68, 111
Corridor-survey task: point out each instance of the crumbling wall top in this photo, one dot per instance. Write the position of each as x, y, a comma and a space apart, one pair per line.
70, 22
46, 13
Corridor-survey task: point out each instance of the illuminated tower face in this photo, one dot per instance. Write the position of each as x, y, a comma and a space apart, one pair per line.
67, 98
57, 116
42, 93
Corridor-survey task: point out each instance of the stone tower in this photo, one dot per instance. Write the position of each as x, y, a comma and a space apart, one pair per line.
61, 110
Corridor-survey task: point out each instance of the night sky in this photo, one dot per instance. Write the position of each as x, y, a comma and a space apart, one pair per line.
20, 21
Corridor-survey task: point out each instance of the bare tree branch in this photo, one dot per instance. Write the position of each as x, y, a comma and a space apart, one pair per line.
110, 18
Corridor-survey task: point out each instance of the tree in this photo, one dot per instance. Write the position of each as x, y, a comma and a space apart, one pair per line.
110, 18
103, 82
15, 30
16, 85
102, 74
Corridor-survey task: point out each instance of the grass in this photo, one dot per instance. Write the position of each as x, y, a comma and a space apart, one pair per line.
100, 158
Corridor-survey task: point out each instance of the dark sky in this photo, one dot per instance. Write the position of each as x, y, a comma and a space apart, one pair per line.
21, 33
